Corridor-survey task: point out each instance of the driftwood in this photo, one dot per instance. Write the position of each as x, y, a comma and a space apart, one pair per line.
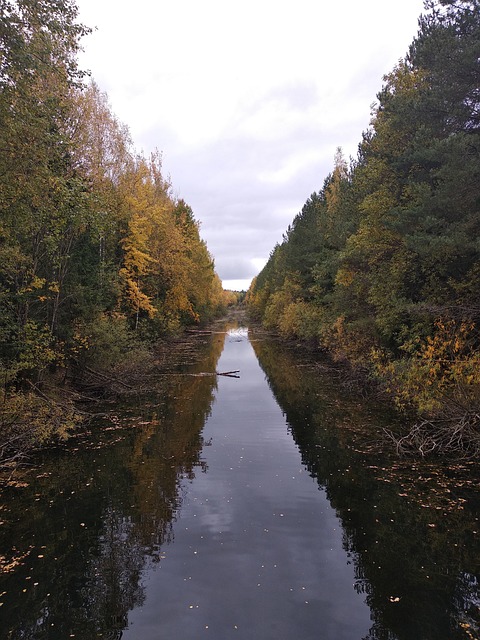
227, 374
202, 374
102, 376
52, 402
77, 396
14, 454
454, 435
203, 332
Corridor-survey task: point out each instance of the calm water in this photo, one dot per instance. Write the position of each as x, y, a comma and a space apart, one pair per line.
242, 507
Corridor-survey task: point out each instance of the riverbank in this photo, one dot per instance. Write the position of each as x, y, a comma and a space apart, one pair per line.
445, 425
48, 413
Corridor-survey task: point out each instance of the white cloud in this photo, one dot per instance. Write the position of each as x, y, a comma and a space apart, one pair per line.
247, 101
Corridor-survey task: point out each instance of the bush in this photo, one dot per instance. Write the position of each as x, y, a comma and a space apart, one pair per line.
106, 343
31, 420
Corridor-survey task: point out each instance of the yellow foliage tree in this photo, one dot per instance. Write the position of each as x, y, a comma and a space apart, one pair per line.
167, 272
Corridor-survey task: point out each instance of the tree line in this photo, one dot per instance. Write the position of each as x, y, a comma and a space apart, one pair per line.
381, 266
97, 256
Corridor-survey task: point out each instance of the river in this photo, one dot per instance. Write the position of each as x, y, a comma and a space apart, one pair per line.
248, 506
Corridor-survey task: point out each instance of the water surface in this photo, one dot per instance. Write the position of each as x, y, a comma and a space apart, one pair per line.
258, 549
240, 507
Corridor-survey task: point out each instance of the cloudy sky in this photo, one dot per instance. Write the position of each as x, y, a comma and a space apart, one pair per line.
247, 101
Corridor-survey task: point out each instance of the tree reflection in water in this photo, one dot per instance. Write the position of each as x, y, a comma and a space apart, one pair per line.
411, 528
100, 512
96, 517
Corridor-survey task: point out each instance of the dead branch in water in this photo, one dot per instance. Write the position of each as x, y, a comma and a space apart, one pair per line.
453, 435
108, 378
203, 332
202, 374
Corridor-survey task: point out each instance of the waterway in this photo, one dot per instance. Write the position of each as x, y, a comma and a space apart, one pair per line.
245, 506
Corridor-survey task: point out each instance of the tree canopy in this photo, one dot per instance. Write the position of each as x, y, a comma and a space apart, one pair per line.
91, 234
382, 265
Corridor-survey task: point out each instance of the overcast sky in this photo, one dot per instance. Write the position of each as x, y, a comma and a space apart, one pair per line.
247, 101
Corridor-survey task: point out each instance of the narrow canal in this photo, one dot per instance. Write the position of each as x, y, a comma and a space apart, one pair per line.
240, 506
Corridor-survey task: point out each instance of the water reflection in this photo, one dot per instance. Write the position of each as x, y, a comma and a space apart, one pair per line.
258, 549
410, 529
76, 540
239, 507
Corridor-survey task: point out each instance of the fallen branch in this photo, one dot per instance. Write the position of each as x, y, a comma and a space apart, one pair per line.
201, 374
203, 332
102, 376
454, 435
78, 397
55, 403
48, 400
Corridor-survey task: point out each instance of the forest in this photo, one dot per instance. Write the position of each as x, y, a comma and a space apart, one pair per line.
98, 259
381, 266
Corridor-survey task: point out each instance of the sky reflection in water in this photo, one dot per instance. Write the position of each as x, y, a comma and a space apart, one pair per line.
245, 507
257, 548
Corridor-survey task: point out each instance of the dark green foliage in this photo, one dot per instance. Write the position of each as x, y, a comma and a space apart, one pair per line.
81, 215
387, 256
448, 50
